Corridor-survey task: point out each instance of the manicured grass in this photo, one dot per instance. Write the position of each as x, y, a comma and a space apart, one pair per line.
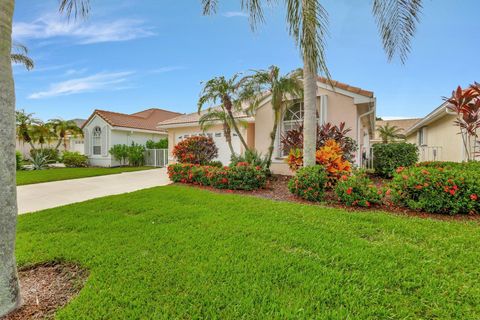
179, 252
38, 176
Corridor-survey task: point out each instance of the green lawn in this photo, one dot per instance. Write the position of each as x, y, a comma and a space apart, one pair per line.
38, 176
179, 252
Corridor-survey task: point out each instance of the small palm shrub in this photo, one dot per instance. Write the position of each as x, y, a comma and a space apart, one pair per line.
253, 158
196, 150
120, 153
74, 159
309, 183
358, 190
388, 157
437, 190
136, 155
18, 160
241, 177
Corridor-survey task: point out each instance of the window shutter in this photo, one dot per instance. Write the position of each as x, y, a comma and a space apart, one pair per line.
86, 136
323, 109
105, 132
424, 136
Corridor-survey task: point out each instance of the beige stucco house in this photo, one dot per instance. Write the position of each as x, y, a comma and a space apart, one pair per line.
402, 124
340, 103
437, 137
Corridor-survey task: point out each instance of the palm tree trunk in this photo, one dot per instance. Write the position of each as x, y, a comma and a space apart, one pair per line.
228, 138
58, 144
228, 106
273, 135
310, 114
9, 288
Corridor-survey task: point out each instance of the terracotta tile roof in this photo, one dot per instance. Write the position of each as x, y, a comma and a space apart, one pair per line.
347, 87
146, 119
194, 117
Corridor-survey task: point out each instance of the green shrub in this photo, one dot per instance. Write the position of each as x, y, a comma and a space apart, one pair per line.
51, 154
161, 144
450, 164
18, 160
74, 159
388, 157
437, 190
358, 190
242, 177
136, 155
309, 183
196, 150
119, 153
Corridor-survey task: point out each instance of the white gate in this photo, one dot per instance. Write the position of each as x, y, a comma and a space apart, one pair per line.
156, 157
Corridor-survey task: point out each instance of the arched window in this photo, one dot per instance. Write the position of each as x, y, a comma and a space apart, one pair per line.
97, 141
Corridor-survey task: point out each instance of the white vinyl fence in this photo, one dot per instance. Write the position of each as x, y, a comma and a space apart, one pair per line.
156, 157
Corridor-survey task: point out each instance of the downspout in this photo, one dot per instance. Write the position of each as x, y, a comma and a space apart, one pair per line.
369, 112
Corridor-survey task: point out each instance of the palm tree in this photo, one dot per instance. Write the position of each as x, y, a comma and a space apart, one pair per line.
9, 289
229, 92
20, 55
24, 123
63, 129
281, 89
215, 115
389, 133
42, 133
307, 23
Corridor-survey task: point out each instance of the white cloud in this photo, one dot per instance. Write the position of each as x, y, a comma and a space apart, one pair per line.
233, 14
167, 69
99, 81
84, 32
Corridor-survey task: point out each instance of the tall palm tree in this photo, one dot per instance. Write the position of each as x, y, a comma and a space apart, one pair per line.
24, 123
307, 23
9, 289
42, 133
63, 129
229, 92
281, 89
212, 117
20, 55
389, 133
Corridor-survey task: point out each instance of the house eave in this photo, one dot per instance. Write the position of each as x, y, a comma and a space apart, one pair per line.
431, 117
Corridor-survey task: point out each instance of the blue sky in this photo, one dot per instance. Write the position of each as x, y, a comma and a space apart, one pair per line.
131, 55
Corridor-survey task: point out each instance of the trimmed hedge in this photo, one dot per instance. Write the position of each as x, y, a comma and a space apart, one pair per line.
445, 190
197, 150
241, 177
309, 183
388, 157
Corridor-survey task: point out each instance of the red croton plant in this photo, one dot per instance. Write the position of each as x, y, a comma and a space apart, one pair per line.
465, 103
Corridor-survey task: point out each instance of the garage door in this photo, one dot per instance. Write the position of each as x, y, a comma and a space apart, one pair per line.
218, 137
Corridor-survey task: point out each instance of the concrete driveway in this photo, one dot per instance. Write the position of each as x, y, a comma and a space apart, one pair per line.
35, 197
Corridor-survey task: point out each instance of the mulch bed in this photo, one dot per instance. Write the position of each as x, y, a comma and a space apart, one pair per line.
45, 288
277, 189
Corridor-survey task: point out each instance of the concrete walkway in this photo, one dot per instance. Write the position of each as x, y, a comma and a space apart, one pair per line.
35, 197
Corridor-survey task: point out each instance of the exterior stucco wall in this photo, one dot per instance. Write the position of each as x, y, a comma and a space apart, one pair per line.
441, 134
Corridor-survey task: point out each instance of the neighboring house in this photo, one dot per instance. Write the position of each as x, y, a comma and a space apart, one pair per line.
342, 103
401, 124
104, 129
437, 137
73, 143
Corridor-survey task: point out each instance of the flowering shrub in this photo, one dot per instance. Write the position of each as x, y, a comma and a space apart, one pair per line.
295, 159
358, 190
241, 177
437, 190
196, 150
388, 157
309, 183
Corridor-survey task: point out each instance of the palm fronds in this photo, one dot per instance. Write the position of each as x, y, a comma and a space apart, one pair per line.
397, 23
79, 8
20, 55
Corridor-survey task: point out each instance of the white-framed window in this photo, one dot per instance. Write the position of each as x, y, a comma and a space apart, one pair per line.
97, 141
